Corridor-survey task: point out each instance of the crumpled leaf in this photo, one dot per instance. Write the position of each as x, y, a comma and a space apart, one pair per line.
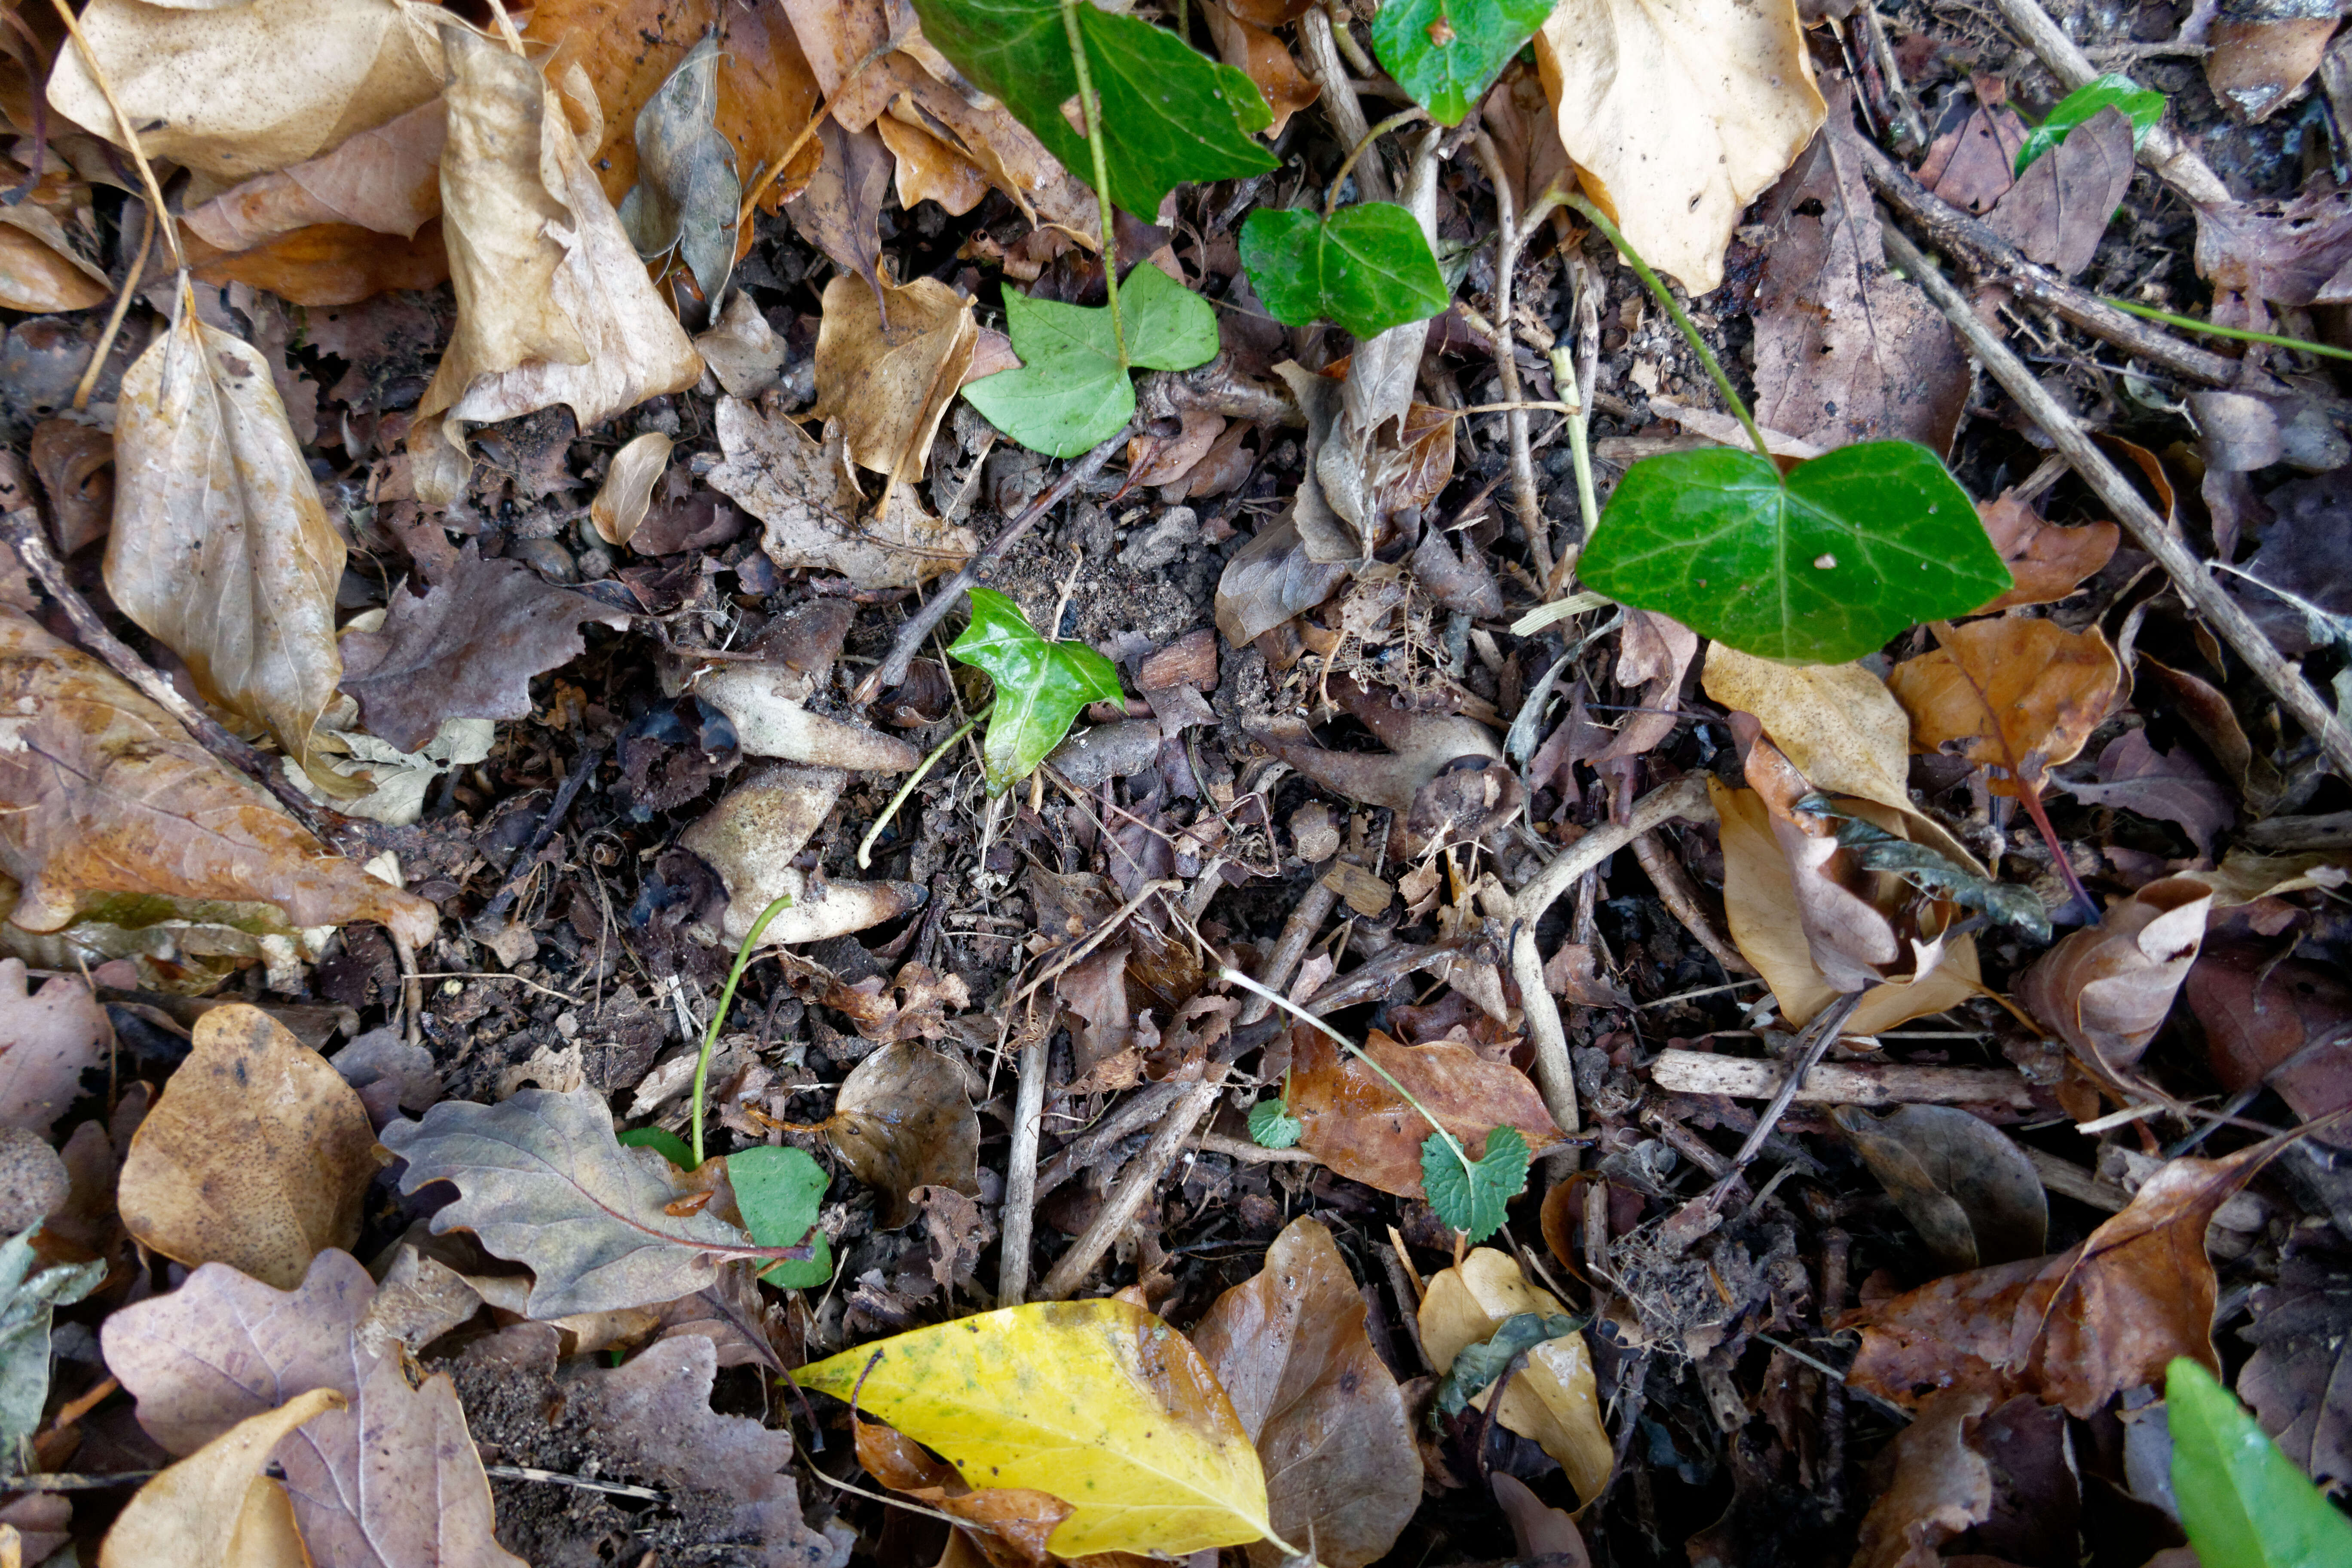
2164, 786
1041, 685
1554, 1397
814, 514
386, 180
839, 211
751, 837
2302, 1335
1290, 1350
106, 796
1071, 390
628, 488
2015, 695
1969, 1192
47, 1039
257, 1156
2046, 562
542, 1181
2107, 989
1112, 1411
2241, 1499
223, 1349
30, 1292
1007, 1524
1359, 1126
742, 350
903, 1121
1678, 113
465, 649
215, 1509
686, 191
888, 362
220, 549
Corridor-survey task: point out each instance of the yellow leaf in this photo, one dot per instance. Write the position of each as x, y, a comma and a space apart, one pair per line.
1554, 1398
1096, 1403
204, 1512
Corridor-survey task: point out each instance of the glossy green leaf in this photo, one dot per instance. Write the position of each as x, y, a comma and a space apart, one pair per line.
1446, 52
2242, 1502
1367, 268
1470, 1195
1171, 115
1040, 686
661, 1140
2142, 106
1271, 1125
778, 1191
1821, 568
1070, 392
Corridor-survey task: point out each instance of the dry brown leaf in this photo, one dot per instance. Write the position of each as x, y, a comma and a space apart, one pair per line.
1554, 1398
839, 211
903, 1121
889, 382
1265, 59
1361, 1128
1158, 460
2047, 562
1291, 1349
2107, 989
928, 168
75, 465
47, 1039
387, 180
628, 488
105, 795
2015, 696
1837, 724
40, 268
742, 350
215, 1509
1941, 1486
1005, 1525
220, 549
1653, 654
1969, 1192
751, 838
257, 1154
2061, 205
1974, 164
2262, 58
1678, 114
328, 263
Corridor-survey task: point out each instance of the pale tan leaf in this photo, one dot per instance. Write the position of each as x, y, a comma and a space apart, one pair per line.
197, 1514
2107, 989
46, 1040
628, 488
889, 382
742, 350
1555, 1397
387, 180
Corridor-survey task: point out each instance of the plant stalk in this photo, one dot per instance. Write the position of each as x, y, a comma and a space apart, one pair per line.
1091, 106
719, 1013
2239, 334
866, 845
1403, 117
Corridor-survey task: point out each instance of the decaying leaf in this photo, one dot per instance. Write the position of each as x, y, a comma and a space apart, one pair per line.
688, 191
2164, 787
1096, 1403
2060, 205
1942, 1485
257, 1156
751, 838
1442, 776
1009, 1525
2047, 562
742, 350
47, 1039
1554, 1397
1678, 113
1290, 1350
1359, 1126
628, 488
888, 362
1969, 1192
215, 1509
31, 1289
386, 180
2107, 990
107, 797
1257, 54
220, 549
2014, 695
2302, 1335
903, 1121
2261, 54
840, 209
2273, 1020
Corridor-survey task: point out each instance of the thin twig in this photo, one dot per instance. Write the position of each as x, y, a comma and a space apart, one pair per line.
1339, 103
1020, 1212
1685, 797
1524, 499
1138, 1182
89, 383
1681, 898
1314, 908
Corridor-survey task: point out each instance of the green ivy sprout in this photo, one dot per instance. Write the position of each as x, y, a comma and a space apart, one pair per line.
2142, 106
1468, 1195
1819, 566
1041, 685
2242, 1502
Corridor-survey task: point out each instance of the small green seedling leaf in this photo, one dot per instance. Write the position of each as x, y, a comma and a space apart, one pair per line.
2242, 1502
1475, 1366
1470, 1195
1271, 1125
1446, 52
1170, 114
1819, 568
778, 1191
1367, 268
668, 1144
1040, 686
2142, 106
1070, 391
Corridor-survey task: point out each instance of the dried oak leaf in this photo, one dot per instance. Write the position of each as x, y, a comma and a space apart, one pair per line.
2075, 1329
1291, 1349
2015, 696
543, 1181
1359, 1126
215, 1509
2107, 989
888, 362
2046, 562
106, 796
46, 1040
465, 648
257, 1154
390, 1478
904, 1121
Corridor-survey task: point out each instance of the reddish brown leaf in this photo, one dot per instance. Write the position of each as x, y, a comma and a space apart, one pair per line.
1008, 1525
328, 263
1360, 1128
2047, 562
2107, 989
2272, 1019
1941, 1486
2014, 696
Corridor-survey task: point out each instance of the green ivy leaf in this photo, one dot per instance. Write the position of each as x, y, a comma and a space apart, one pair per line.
1821, 567
1446, 52
1475, 1366
1171, 115
670, 1146
2142, 106
1040, 686
1271, 1125
2242, 1502
778, 1191
1470, 1197
1367, 268
1070, 393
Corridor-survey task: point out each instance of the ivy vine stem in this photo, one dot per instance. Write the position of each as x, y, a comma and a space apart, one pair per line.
1683, 324
922, 771
1401, 119
2207, 329
1090, 106
719, 1013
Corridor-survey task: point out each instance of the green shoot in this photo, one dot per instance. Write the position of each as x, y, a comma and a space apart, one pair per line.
2242, 1502
718, 1015
2142, 106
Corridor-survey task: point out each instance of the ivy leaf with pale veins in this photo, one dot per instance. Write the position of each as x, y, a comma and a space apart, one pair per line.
1819, 568
465, 649
1367, 268
1070, 391
1445, 52
1170, 114
1040, 686
542, 1181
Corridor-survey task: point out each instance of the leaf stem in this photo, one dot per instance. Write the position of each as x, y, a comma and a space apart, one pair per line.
866, 845
1403, 117
719, 1013
1579, 436
1600, 220
1091, 106
2191, 324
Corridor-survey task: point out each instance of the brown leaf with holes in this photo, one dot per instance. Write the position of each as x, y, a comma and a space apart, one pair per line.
2047, 562
2107, 990
904, 1121
1361, 1128
2015, 696
888, 363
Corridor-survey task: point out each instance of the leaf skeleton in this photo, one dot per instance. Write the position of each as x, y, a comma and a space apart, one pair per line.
1875, 850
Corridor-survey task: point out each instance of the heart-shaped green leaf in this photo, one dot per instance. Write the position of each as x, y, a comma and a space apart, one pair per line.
1367, 268
2242, 1502
1470, 1195
1170, 114
1445, 52
1070, 391
1819, 568
2142, 106
1040, 686
778, 1191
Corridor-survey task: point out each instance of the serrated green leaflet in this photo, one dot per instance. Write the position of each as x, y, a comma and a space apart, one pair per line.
1367, 268
1470, 1195
1819, 568
2142, 106
1171, 115
778, 1191
1445, 52
1070, 391
1271, 1125
2242, 1502
1040, 686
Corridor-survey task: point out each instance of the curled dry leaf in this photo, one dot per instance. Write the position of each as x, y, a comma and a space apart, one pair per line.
215, 1509
840, 209
2015, 696
220, 549
742, 350
386, 180
47, 1039
2046, 563
1359, 1126
903, 1121
688, 192
928, 168
628, 488
1008, 1524
257, 1156
1678, 113
1443, 775
75, 465
751, 838
1969, 1192
1942, 1485
1554, 1397
41, 267
768, 707
1257, 54
888, 362
2107, 990
1271, 579
106, 796
1291, 1349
